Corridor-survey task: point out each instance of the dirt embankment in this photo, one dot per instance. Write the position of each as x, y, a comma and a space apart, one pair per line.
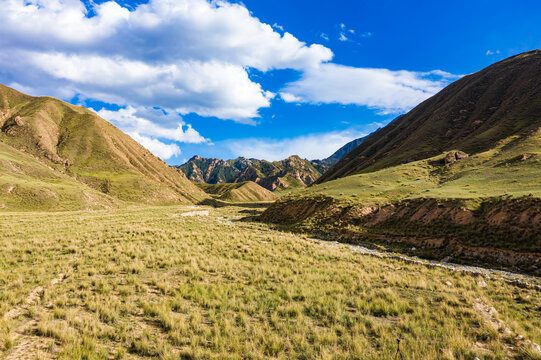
499, 231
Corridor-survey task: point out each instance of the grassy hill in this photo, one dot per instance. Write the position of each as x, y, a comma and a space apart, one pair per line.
472, 115
512, 167
289, 173
57, 155
243, 192
481, 207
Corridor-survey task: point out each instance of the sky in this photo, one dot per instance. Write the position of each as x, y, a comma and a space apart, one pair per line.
258, 78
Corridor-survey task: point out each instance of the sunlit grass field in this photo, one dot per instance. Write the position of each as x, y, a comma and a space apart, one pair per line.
150, 283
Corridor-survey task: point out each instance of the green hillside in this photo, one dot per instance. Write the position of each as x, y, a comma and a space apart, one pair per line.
28, 184
472, 210
243, 192
512, 167
47, 143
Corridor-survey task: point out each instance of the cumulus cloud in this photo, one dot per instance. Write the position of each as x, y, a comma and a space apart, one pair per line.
182, 55
382, 89
313, 146
143, 121
155, 146
287, 97
146, 125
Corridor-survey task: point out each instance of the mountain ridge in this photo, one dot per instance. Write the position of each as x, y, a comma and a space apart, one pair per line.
470, 114
292, 172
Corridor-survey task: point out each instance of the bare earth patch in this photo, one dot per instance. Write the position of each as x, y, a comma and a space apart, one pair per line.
196, 213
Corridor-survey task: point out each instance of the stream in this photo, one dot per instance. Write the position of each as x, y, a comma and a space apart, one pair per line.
521, 280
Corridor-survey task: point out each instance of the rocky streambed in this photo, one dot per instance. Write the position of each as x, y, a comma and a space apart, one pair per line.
520, 280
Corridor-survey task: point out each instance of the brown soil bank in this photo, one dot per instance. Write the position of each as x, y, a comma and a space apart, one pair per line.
503, 232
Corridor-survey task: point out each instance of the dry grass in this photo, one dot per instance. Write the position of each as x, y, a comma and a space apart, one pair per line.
146, 282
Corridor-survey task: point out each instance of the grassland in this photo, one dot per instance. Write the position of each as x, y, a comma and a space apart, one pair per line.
151, 283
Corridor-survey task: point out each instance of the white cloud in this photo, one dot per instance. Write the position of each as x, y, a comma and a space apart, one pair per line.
279, 27
144, 121
287, 97
155, 146
351, 35
182, 55
313, 146
490, 52
382, 89
206, 88
146, 126
162, 30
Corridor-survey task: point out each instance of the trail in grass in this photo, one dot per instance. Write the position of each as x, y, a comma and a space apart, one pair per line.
26, 343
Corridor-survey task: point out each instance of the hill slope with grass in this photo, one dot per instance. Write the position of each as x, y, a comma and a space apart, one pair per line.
485, 207
71, 153
471, 115
243, 192
289, 173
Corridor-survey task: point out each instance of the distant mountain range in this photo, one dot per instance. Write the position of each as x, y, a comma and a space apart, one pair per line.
54, 155
292, 172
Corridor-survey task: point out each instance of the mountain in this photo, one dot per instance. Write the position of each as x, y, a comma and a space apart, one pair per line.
340, 153
292, 172
243, 192
458, 177
56, 155
214, 171
472, 114
277, 175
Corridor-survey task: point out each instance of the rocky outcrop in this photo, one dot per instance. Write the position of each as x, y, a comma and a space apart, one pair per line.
525, 157
454, 156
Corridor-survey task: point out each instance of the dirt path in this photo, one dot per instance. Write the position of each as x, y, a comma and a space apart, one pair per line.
196, 213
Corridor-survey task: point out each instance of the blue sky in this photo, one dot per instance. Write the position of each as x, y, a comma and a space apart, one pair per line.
255, 78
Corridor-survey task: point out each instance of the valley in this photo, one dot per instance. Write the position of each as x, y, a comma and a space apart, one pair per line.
419, 241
